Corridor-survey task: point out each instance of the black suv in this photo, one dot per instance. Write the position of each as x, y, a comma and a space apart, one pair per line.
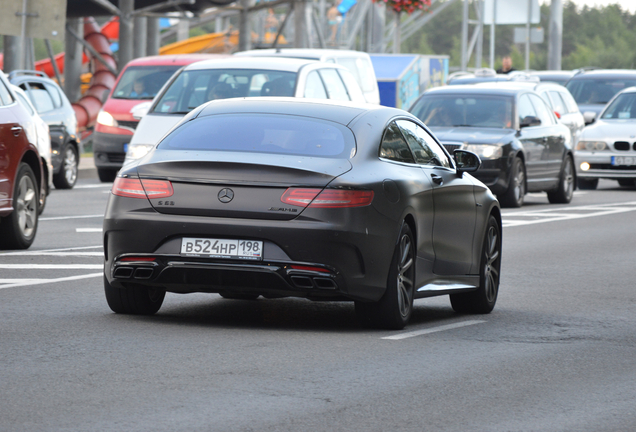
56, 110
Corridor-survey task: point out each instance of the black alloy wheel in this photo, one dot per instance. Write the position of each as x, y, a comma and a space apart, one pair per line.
393, 311
66, 178
482, 300
136, 300
564, 192
587, 184
17, 230
514, 196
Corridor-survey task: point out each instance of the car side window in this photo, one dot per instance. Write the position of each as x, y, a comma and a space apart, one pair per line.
525, 108
314, 88
543, 112
393, 146
55, 94
570, 102
5, 96
423, 146
353, 88
24, 103
40, 98
335, 87
559, 104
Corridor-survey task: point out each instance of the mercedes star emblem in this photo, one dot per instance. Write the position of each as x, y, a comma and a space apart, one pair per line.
226, 195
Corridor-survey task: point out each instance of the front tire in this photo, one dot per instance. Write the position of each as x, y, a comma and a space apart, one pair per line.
482, 300
66, 178
393, 311
564, 192
17, 231
514, 196
133, 300
106, 175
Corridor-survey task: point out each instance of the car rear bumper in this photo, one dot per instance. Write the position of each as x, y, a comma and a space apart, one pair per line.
108, 149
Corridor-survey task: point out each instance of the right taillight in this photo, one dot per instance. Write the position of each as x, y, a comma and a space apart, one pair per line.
135, 188
328, 198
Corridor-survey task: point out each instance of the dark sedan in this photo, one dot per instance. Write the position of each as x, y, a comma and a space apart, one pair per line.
522, 146
284, 197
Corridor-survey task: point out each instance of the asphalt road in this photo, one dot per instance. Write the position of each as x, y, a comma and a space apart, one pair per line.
557, 354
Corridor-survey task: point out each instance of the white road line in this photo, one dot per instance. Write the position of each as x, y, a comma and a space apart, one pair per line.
92, 186
61, 254
12, 281
47, 281
433, 330
511, 219
46, 251
88, 230
52, 266
72, 217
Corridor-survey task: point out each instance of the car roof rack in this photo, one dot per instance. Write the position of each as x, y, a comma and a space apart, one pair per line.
20, 72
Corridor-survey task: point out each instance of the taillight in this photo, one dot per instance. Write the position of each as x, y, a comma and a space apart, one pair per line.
135, 188
328, 198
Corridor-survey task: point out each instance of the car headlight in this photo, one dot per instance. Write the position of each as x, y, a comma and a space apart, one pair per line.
136, 151
486, 151
106, 119
591, 145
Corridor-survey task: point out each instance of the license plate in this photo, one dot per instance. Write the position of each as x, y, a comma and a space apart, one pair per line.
623, 160
222, 248
126, 148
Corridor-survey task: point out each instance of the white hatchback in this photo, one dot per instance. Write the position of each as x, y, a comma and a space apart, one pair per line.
207, 80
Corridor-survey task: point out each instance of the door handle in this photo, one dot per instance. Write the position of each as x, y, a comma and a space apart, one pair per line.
437, 179
16, 130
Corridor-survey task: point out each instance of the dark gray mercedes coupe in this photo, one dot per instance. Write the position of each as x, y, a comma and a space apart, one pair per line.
279, 197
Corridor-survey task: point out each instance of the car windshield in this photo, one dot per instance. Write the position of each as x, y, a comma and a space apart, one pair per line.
263, 133
192, 88
464, 110
143, 82
623, 107
597, 91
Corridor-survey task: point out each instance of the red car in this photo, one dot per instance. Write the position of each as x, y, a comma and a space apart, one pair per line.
21, 174
138, 83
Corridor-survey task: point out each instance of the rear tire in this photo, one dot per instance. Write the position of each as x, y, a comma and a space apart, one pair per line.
564, 192
17, 231
514, 196
482, 300
133, 300
587, 184
66, 178
393, 311
106, 175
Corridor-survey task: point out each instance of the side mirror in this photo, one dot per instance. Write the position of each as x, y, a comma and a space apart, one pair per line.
589, 117
466, 161
530, 121
140, 110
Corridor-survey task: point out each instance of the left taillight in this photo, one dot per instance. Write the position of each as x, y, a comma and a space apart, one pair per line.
136, 188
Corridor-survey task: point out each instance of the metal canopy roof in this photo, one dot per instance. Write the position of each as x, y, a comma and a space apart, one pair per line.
81, 8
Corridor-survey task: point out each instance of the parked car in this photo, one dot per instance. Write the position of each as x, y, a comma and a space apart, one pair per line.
22, 178
239, 77
522, 146
592, 89
138, 83
290, 197
37, 132
54, 108
358, 63
607, 148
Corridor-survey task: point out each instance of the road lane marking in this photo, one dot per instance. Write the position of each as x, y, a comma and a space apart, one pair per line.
47, 281
88, 230
24, 280
47, 251
433, 330
51, 266
532, 217
92, 186
61, 254
71, 217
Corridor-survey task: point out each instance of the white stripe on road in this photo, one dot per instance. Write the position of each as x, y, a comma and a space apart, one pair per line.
92, 186
62, 254
48, 251
564, 213
47, 281
433, 330
71, 217
87, 230
51, 266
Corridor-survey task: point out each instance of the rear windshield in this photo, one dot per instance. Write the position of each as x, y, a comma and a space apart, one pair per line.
465, 110
143, 82
263, 133
623, 107
192, 88
597, 91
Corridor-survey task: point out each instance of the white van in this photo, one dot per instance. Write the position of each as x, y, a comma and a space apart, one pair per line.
359, 63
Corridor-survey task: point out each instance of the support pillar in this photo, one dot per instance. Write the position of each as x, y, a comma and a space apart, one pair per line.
126, 52
73, 60
464, 59
153, 36
301, 39
183, 30
140, 39
555, 43
12, 49
245, 29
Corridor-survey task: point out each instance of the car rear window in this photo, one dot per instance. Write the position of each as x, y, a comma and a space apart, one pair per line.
597, 91
143, 82
263, 133
469, 110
